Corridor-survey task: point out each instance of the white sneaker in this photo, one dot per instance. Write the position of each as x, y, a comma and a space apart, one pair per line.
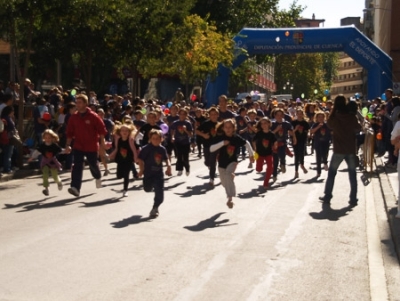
98, 183
124, 193
73, 191
60, 185
187, 173
180, 173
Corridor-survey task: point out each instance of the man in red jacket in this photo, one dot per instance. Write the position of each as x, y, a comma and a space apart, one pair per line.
85, 128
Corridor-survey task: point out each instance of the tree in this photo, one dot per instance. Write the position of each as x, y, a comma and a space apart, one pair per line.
194, 52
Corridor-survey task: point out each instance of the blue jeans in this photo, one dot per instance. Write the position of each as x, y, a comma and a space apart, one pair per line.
156, 182
333, 167
279, 156
7, 153
77, 169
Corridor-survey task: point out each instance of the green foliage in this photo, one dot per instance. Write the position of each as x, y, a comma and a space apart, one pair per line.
194, 51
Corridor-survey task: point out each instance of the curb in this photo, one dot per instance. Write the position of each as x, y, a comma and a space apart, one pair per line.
390, 201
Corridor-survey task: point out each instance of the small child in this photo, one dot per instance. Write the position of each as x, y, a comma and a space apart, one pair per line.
264, 143
150, 163
322, 138
125, 152
300, 129
49, 149
227, 159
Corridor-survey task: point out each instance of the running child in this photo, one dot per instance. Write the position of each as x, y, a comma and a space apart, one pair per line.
207, 130
264, 142
182, 132
150, 163
49, 149
227, 156
125, 153
322, 139
300, 129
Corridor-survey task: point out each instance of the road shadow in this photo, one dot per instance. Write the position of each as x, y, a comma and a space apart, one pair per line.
59, 203
313, 180
256, 192
210, 223
243, 173
291, 181
6, 187
10, 206
173, 186
133, 220
197, 190
107, 201
330, 214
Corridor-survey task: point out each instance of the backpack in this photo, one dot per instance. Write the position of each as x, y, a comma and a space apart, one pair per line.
4, 139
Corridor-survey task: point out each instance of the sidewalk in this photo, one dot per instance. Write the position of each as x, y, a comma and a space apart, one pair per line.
390, 187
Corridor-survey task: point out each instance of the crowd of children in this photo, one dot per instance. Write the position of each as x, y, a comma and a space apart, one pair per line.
149, 133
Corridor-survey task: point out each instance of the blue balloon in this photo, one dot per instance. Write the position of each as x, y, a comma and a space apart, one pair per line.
29, 142
383, 96
326, 92
357, 95
169, 105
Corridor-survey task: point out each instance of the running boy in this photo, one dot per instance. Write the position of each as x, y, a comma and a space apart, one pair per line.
150, 163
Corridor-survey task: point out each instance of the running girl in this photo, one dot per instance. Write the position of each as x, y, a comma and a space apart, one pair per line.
300, 129
227, 159
264, 142
125, 152
49, 149
322, 138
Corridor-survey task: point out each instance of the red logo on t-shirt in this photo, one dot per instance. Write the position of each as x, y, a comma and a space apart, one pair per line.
49, 155
157, 158
123, 152
322, 131
230, 150
181, 129
213, 132
265, 143
301, 128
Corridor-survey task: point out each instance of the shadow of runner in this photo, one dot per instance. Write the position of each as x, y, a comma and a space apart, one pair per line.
210, 223
101, 203
330, 214
59, 203
256, 192
10, 206
197, 190
133, 220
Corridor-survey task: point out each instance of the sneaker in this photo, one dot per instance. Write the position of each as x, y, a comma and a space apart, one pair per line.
73, 191
154, 213
211, 182
180, 173
325, 200
60, 185
46, 191
187, 173
283, 168
250, 165
98, 183
106, 173
304, 169
326, 167
124, 193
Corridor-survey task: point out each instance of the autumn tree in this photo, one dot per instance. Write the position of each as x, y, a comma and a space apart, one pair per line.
195, 50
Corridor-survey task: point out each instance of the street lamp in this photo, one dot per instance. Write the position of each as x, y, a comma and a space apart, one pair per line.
288, 85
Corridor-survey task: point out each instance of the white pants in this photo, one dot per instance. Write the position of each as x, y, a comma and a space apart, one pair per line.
226, 177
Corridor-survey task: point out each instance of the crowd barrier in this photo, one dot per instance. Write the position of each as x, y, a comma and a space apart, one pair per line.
369, 150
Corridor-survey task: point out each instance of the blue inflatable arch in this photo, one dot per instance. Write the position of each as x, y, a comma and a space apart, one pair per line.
309, 40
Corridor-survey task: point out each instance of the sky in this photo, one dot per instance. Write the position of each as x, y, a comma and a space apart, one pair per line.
330, 10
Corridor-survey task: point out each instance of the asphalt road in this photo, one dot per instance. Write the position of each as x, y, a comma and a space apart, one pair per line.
282, 244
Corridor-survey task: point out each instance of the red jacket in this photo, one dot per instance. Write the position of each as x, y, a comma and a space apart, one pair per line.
85, 129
